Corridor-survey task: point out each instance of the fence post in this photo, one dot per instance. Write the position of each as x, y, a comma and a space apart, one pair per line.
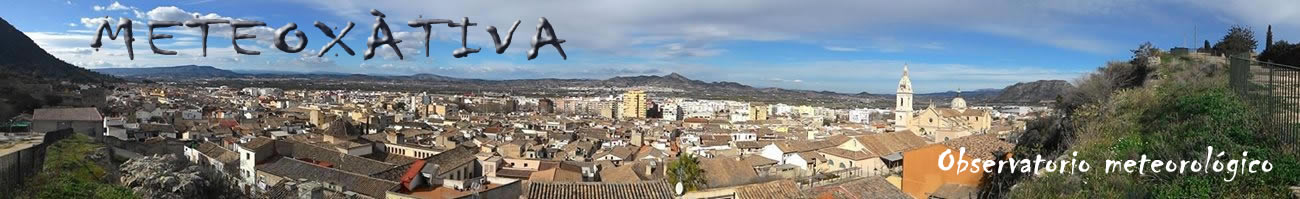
1239, 71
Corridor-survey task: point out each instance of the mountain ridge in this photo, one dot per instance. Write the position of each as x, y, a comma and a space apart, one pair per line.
671, 80
23, 58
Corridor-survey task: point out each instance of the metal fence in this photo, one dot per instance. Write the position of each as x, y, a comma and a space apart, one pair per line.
1273, 91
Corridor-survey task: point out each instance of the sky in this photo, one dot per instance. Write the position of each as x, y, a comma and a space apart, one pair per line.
846, 46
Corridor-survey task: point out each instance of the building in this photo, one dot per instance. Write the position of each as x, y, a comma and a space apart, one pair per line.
545, 106
634, 104
860, 116
903, 109
81, 120
942, 124
758, 112
923, 179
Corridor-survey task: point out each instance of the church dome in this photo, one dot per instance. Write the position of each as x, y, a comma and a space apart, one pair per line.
958, 103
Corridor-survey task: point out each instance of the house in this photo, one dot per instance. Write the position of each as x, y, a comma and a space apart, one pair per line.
617, 154
864, 188
280, 170
82, 120
922, 177
725, 172
656, 189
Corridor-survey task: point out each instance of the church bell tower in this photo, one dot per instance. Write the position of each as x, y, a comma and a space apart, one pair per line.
903, 100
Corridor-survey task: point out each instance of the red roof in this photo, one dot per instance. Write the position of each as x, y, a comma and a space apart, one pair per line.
410, 173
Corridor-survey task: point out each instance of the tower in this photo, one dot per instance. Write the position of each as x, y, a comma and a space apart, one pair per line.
903, 109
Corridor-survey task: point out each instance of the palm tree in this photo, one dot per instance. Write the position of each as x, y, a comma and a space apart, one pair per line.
686, 170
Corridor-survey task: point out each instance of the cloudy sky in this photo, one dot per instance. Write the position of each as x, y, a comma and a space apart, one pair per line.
838, 45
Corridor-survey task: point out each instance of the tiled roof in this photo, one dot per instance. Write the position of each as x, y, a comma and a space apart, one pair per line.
722, 172
295, 169
256, 143
562, 172
847, 154
887, 143
449, 160
948, 112
583, 190
342, 161
755, 161
225, 156
67, 114
514, 173
624, 152
980, 146
868, 187
750, 144
780, 189
955, 191
621, 174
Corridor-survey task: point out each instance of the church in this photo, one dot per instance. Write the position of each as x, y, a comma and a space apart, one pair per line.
938, 124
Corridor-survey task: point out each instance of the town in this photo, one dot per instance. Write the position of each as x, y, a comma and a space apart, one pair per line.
276, 143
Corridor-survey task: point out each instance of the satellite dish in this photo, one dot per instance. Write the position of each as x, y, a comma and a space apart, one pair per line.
680, 189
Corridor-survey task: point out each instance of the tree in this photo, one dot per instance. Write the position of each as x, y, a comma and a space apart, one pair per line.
1144, 53
399, 106
1206, 48
1239, 39
1282, 52
1268, 41
686, 170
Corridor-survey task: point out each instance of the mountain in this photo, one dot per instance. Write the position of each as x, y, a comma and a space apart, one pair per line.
185, 71
1029, 92
21, 57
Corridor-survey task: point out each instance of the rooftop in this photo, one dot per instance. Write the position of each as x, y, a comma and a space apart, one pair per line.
67, 114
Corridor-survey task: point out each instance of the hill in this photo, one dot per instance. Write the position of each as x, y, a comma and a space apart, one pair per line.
1173, 114
23, 58
1030, 92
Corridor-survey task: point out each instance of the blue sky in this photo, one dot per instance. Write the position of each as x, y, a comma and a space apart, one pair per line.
844, 46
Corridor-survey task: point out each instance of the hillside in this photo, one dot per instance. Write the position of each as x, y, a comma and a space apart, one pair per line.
1169, 111
22, 57
1030, 92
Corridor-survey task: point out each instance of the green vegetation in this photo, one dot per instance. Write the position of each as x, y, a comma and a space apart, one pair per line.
1169, 111
686, 169
1238, 40
69, 173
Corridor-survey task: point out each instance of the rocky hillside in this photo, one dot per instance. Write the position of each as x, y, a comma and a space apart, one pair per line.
20, 56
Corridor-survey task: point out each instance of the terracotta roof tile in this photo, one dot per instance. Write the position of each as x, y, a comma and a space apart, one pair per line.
780, 189
566, 190
980, 146
868, 187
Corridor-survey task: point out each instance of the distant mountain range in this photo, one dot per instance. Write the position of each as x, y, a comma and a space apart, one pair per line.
1027, 92
22, 58
186, 71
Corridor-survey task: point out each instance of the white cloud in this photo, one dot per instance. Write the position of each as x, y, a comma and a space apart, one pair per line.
624, 25
111, 7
